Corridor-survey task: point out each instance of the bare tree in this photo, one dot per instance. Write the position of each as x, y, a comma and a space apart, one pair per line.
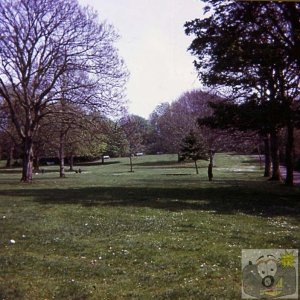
43, 40
174, 121
133, 134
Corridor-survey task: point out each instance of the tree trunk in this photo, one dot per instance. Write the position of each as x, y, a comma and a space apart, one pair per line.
71, 162
259, 156
27, 160
289, 155
36, 165
267, 172
210, 172
61, 155
10, 156
211, 157
275, 156
131, 167
196, 167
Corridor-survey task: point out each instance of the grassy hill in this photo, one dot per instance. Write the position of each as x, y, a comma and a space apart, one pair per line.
161, 232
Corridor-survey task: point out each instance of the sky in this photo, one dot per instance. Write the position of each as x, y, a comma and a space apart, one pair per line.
154, 47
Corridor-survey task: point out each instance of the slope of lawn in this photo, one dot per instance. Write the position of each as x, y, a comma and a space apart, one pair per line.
161, 232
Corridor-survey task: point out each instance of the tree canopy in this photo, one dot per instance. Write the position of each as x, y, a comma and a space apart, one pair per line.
53, 50
252, 50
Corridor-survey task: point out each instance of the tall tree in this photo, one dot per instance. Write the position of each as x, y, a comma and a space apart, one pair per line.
238, 46
40, 42
116, 139
132, 127
246, 117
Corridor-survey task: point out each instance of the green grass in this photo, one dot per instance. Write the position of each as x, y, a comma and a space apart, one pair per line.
161, 232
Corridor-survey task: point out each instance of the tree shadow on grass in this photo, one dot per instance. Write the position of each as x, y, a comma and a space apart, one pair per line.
159, 163
40, 171
170, 164
98, 163
10, 171
241, 198
251, 161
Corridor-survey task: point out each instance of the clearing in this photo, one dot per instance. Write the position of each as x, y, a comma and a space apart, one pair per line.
161, 232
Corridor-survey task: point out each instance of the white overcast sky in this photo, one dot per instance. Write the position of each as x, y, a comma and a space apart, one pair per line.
154, 47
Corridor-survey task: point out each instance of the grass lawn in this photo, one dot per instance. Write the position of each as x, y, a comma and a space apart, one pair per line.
161, 232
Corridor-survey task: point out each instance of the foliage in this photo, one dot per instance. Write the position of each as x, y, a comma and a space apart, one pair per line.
115, 139
134, 128
249, 48
172, 122
193, 148
239, 42
54, 50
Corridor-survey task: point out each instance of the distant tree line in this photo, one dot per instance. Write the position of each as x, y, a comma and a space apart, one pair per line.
171, 123
73, 134
62, 87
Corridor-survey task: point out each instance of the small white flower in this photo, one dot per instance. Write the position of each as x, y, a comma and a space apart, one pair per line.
4, 217
23, 236
12, 241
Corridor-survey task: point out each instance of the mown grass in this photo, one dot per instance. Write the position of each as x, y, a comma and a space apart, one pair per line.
161, 232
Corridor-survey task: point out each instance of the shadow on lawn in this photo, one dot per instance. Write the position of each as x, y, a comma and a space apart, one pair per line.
251, 162
10, 171
220, 199
159, 163
97, 163
41, 170
171, 164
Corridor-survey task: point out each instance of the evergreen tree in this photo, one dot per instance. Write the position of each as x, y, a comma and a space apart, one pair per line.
194, 149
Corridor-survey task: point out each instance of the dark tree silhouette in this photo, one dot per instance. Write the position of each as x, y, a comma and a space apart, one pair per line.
194, 149
251, 49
